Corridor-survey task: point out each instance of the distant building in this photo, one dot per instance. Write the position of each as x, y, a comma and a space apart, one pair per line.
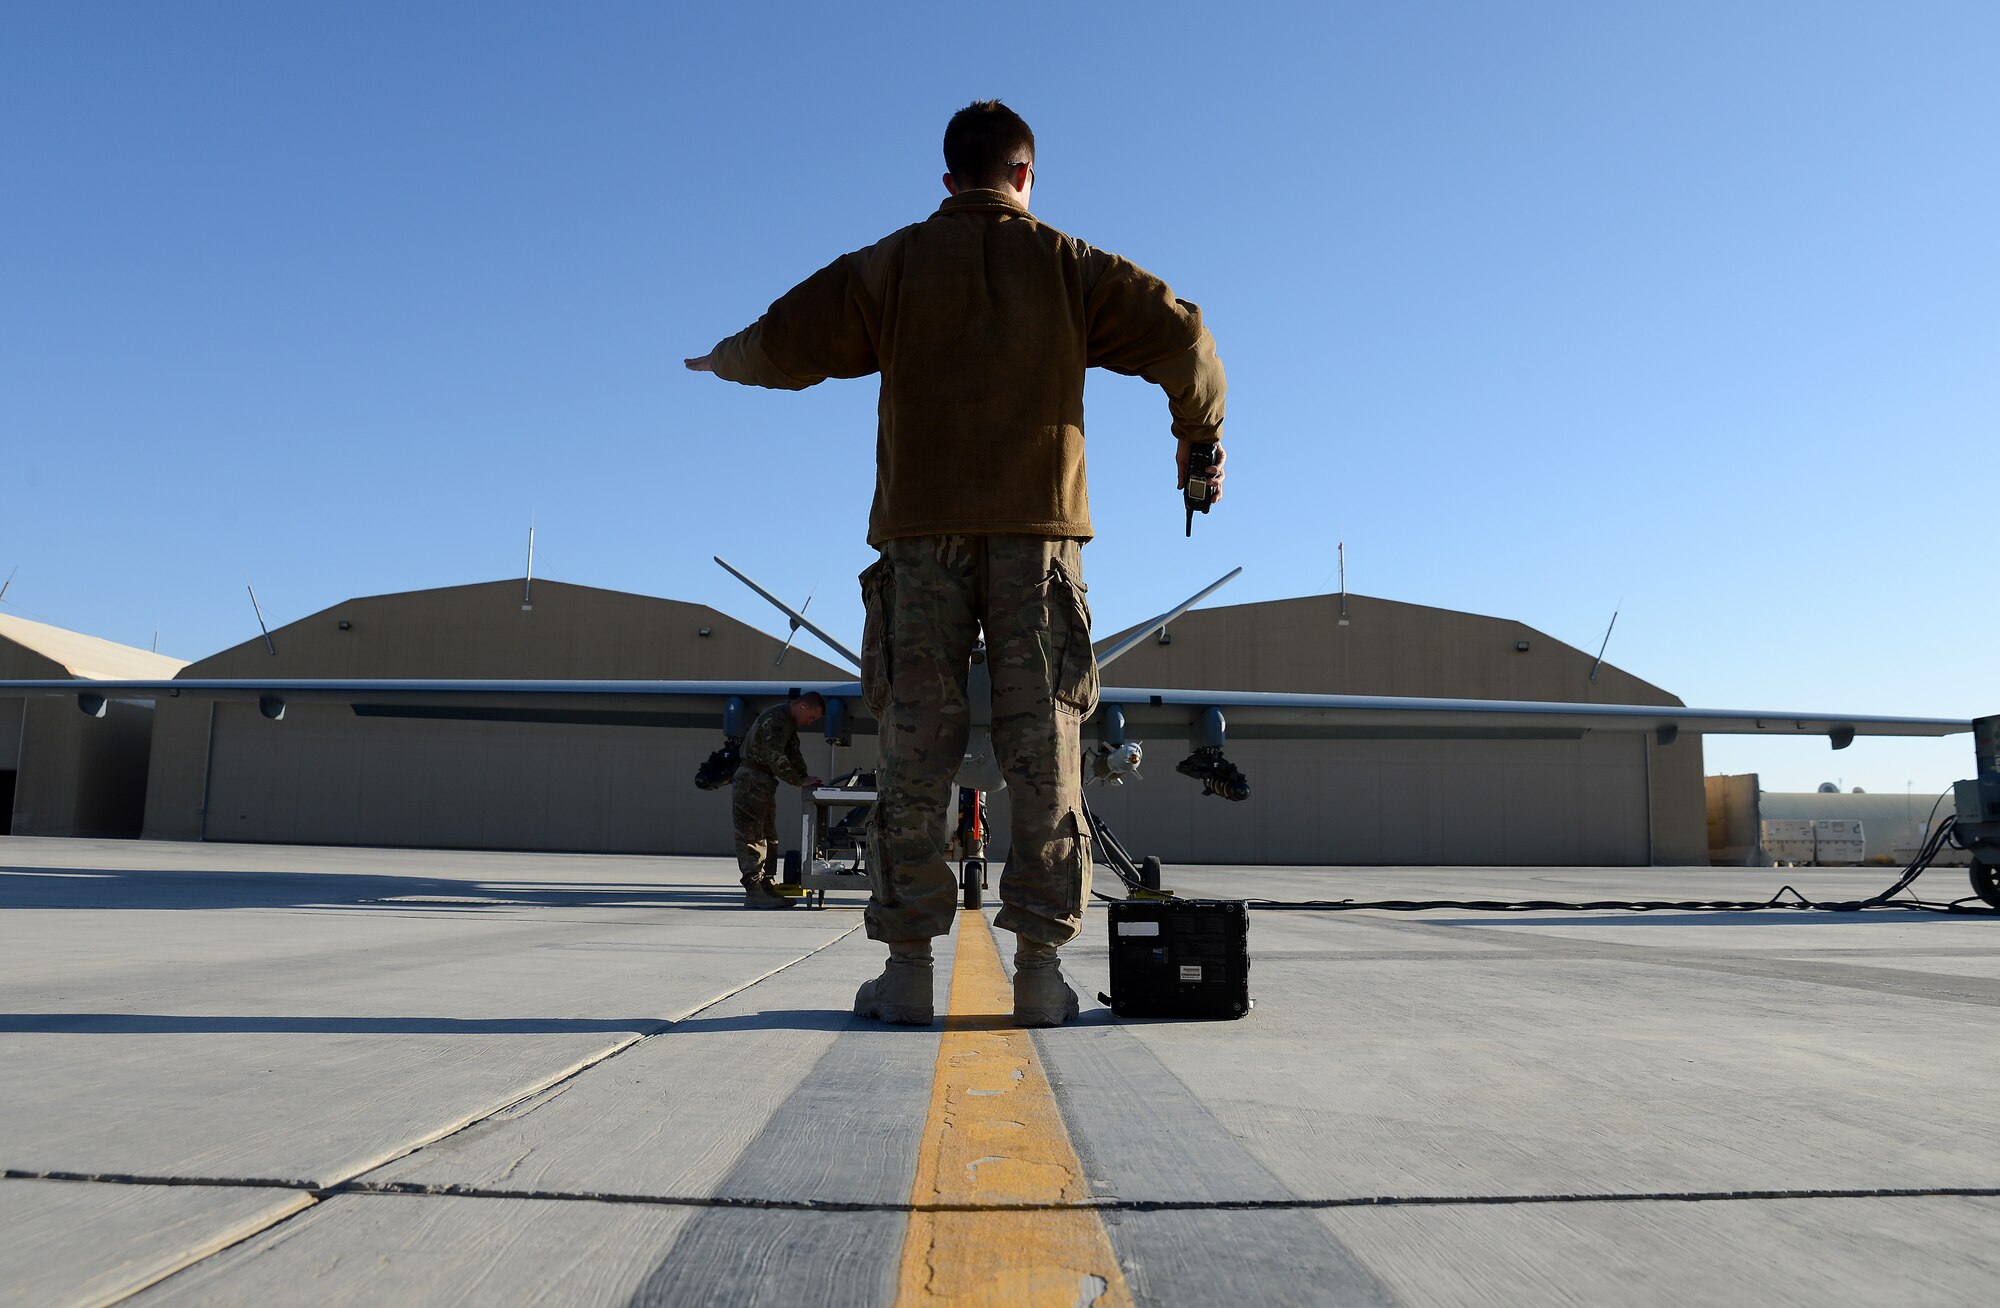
1746, 823
62, 773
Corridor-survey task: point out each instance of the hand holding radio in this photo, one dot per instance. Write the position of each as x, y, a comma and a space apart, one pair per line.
1200, 477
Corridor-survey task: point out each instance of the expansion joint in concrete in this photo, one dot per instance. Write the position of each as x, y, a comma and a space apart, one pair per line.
1103, 1205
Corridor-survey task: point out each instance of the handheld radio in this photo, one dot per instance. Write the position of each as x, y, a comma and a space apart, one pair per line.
1199, 493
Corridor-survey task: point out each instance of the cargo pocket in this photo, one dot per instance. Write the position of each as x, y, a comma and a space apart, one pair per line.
1074, 665
1069, 860
877, 604
880, 884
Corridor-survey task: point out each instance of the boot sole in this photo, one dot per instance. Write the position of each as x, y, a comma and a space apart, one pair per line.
1042, 1019
902, 1016
866, 1005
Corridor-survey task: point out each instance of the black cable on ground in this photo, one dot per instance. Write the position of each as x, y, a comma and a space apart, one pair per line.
1121, 863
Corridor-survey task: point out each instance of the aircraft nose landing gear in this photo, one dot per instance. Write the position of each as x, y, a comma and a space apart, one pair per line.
970, 842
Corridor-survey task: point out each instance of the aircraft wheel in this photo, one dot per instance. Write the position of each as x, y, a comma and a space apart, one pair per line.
1986, 881
971, 881
791, 873
1149, 872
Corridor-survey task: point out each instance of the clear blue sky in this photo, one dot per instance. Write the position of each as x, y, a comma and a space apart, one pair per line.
1544, 309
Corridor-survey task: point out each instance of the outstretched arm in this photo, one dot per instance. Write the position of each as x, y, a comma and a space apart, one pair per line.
818, 329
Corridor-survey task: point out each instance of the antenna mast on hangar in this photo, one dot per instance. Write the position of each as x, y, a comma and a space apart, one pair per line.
528, 585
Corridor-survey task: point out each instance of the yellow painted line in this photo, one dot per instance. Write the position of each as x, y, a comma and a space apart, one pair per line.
993, 1137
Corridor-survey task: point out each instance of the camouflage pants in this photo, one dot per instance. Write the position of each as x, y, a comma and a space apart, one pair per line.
753, 810
927, 600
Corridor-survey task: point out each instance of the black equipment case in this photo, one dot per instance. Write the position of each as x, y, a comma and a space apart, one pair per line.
1179, 958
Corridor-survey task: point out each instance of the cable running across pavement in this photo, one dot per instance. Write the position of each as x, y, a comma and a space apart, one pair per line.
1115, 857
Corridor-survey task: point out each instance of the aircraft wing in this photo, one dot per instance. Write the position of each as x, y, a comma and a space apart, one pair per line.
1277, 715
1249, 714
719, 704
347, 688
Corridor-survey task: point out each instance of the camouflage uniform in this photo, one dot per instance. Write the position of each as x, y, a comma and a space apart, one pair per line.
770, 755
982, 322
927, 600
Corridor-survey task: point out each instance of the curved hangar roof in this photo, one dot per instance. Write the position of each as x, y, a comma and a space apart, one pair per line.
485, 630
1328, 665
1359, 645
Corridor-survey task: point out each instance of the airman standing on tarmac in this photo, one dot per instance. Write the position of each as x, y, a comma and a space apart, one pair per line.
770, 755
982, 321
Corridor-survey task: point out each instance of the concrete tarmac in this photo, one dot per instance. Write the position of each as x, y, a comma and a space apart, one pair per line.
250, 1074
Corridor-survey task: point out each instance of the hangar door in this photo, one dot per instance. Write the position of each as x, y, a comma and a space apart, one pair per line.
12, 713
1557, 803
325, 776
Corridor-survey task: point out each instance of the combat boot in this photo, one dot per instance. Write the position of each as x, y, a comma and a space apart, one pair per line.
761, 894
901, 996
1041, 996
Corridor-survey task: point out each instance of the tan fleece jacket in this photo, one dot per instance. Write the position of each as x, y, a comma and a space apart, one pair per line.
981, 320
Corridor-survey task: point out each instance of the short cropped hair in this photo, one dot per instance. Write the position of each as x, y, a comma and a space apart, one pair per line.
982, 140
812, 698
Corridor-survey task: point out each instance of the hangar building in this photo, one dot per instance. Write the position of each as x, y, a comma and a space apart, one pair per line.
1557, 797
602, 776
597, 775
61, 773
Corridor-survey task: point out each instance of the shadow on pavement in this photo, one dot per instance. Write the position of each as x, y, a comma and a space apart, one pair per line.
171, 1024
836, 1017
777, 1019
31, 887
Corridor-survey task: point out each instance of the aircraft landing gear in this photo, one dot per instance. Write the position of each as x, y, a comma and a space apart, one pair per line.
970, 842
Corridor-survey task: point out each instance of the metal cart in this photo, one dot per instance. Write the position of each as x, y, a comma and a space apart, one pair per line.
833, 844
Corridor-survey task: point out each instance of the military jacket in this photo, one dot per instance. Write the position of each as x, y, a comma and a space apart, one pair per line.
982, 321
772, 746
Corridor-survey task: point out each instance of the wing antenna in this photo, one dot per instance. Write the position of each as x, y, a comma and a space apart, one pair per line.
793, 634
1598, 662
798, 618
